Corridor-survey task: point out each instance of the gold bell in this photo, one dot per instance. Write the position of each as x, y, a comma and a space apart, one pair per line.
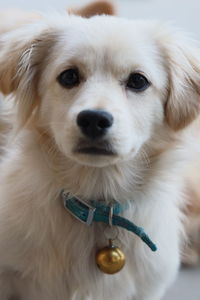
110, 259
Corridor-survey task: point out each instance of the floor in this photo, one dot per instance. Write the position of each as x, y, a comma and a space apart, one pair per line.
186, 287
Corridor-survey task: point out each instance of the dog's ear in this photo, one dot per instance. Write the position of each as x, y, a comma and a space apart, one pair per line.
94, 8
183, 64
22, 54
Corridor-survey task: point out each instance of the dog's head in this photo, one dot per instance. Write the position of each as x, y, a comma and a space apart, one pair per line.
100, 87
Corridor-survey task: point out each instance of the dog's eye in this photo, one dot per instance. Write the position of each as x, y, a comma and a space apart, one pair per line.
137, 82
69, 78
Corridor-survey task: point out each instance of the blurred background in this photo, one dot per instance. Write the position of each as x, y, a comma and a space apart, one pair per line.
186, 15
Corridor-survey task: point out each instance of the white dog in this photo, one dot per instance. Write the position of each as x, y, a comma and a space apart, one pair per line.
101, 104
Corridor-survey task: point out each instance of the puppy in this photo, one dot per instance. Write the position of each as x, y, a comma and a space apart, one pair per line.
100, 108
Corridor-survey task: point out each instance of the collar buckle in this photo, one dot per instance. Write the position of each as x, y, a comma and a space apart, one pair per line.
91, 210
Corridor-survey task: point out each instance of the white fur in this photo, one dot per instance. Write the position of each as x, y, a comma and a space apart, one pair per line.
45, 253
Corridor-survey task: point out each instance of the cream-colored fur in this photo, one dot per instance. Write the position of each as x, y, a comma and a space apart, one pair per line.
191, 255
45, 253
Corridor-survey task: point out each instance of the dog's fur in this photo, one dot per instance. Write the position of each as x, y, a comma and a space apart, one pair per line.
45, 253
191, 255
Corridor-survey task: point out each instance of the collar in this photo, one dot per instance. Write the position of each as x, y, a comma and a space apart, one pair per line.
108, 214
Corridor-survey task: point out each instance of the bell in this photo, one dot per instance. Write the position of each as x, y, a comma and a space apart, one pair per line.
110, 259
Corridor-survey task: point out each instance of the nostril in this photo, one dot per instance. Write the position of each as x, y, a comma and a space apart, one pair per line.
105, 122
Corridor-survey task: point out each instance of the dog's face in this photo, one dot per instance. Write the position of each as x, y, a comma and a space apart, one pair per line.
103, 93
101, 87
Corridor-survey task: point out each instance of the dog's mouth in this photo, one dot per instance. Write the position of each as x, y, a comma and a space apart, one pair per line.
100, 148
95, 151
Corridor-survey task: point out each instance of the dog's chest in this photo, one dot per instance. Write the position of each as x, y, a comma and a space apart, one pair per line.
66, 263
58, 252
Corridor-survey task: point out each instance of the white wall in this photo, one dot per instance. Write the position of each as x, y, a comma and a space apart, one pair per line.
185, 13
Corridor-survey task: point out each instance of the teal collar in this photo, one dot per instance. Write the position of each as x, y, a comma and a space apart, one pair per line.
108, 214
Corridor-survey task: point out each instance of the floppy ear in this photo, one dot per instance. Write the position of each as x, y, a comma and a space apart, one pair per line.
22, 54
95, 8
183, 64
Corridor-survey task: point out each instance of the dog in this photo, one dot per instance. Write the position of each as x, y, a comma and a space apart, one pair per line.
99, 108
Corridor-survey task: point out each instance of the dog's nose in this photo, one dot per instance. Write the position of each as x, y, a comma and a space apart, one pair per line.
94, 123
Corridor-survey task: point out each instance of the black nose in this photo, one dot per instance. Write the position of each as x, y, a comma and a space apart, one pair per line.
94, 123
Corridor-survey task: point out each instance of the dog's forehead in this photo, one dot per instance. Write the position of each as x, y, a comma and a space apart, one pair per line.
106, 34
110, 42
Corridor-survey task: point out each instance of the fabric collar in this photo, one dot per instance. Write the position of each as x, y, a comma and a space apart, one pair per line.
108, 214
